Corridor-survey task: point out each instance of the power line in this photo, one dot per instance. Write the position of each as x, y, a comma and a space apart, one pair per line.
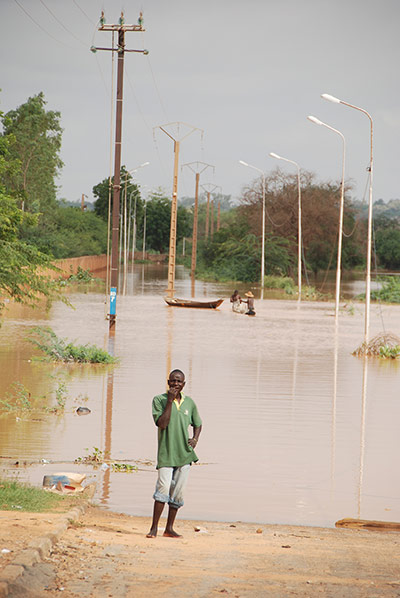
38, 25
83, 12
62, 24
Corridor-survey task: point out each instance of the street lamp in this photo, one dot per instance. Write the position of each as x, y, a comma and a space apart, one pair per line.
273, 155
263, 224
127, 233
339, 254
330, 98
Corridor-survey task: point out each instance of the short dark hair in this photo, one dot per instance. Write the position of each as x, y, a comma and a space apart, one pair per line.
176, 372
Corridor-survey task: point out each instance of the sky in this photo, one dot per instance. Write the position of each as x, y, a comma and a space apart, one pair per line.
241, 76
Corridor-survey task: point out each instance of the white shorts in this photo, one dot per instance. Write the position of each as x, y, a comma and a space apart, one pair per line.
170, 485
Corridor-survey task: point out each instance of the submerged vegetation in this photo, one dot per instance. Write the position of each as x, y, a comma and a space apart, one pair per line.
58, 349
385, 345
20, 400
98, 457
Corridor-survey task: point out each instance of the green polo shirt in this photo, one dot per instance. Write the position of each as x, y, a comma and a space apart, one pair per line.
173, 447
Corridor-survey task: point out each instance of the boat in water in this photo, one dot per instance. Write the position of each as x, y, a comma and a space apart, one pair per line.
175, 302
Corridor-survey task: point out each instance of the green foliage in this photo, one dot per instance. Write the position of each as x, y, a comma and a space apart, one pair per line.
18, 399
280, 282
387, 243
390, 291
58, 349
388, 352
97, 456
22, 266
158, 221
81, 276
17, 496
36, 135
102, 192
235, 254
123, 467
67, 232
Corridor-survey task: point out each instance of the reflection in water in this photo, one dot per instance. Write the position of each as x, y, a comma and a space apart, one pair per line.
279, 395
334, 397
362, 434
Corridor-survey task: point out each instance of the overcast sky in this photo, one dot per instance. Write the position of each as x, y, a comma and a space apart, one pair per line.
246, 72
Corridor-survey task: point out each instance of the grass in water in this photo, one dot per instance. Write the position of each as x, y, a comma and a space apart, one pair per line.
58, 349
15, 496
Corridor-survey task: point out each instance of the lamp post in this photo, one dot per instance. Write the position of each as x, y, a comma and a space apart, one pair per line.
316, 121
273, 155
330, 98
263, 224
125, 215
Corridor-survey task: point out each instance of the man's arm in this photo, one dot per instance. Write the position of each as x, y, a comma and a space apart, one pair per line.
164, 418
196, 433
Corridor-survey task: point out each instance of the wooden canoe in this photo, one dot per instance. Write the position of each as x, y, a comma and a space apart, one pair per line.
368, 524
175, 302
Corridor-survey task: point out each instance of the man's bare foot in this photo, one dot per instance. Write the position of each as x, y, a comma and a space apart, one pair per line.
151, 534
171, 534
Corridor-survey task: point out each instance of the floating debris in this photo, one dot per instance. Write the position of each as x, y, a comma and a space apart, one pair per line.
384, 344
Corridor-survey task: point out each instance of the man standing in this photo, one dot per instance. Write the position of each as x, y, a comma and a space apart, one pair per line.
173, 413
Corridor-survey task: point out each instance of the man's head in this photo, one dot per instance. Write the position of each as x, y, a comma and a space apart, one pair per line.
176, 380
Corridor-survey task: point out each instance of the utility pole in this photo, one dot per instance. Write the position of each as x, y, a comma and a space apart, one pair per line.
174, 205
83, 205
209, 188
219, 216
198, 168
121, 28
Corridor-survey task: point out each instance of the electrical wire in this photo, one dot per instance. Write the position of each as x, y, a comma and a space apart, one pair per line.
377, 277
155, 82
83, 12
40, 27
362, 202
61, 23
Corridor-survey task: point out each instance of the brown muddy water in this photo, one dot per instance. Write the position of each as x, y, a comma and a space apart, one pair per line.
296, 429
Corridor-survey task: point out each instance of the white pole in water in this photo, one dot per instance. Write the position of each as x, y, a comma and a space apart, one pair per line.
341, 210
273, 155
263, 224
330, 98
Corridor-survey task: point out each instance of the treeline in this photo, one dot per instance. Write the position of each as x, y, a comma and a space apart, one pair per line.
36, 228
234, 252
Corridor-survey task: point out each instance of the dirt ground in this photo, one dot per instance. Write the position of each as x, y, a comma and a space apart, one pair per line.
106, 554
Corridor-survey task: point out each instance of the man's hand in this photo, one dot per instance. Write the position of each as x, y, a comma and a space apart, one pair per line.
192, 442
173, 393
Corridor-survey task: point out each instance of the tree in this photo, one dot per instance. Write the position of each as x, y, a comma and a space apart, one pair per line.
320, 215
387, 243
68, 232
22, 266
158, 222
35, 141
104, 193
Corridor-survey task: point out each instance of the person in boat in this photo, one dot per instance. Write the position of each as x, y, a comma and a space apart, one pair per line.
237, 303
250, 303
173, 412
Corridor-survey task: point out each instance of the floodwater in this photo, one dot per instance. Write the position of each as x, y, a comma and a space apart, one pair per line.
296, 429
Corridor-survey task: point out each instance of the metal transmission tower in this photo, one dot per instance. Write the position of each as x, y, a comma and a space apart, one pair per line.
121, 29
177, 139
198, 168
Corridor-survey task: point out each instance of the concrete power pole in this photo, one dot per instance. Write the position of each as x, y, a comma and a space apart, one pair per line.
177, 139
121, 28
198, 168
209, 188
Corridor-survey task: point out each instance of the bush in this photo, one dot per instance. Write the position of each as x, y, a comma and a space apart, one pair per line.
57, 349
